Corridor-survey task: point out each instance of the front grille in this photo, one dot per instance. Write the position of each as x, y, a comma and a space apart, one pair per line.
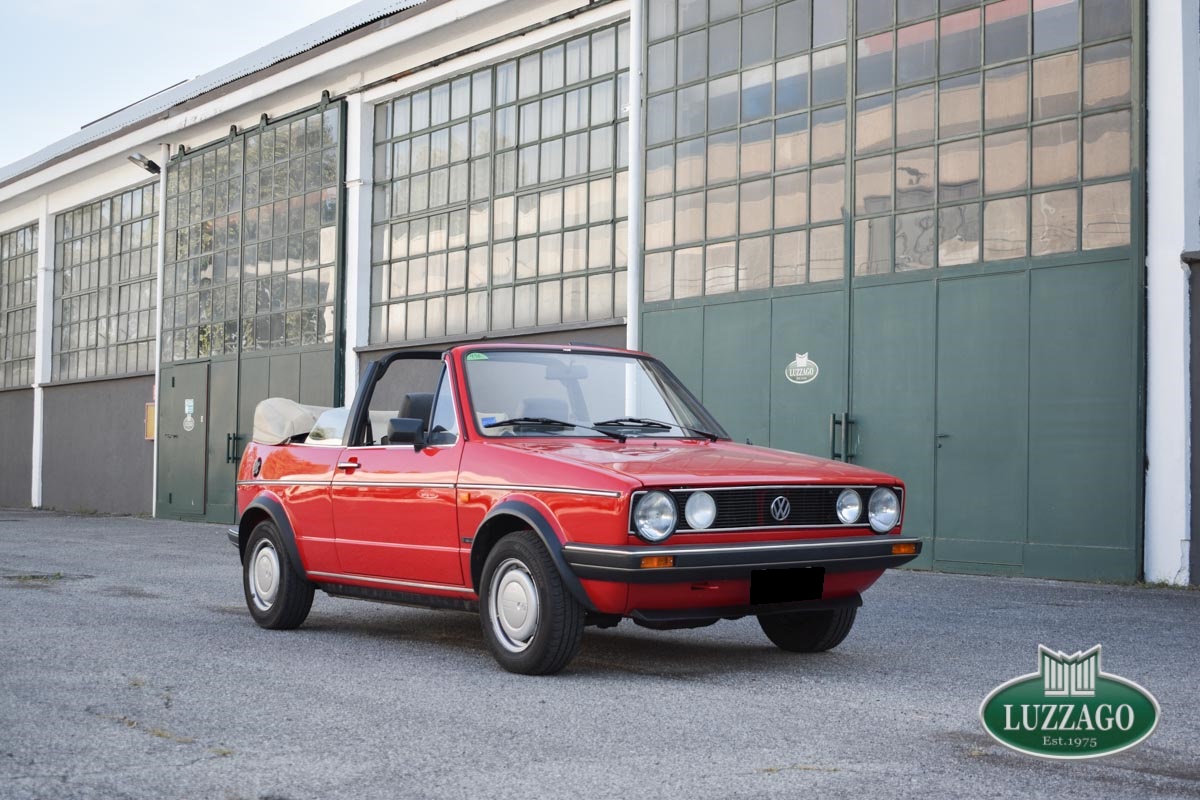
750, 507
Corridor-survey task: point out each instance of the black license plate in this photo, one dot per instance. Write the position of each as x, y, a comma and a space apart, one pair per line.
786, 585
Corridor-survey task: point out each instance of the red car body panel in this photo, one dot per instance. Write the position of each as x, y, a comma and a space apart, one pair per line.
407, 518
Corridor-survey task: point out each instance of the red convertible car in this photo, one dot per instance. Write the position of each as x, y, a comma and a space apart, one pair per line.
550, 488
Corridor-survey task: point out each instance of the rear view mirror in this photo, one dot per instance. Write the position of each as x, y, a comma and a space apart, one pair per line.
406, 430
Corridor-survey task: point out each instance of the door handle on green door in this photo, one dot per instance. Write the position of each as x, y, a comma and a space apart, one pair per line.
941, 436
834, 422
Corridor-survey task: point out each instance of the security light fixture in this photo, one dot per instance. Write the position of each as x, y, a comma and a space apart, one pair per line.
145, 163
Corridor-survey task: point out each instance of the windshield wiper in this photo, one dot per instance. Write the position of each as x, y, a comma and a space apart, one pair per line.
642, 422
547, 421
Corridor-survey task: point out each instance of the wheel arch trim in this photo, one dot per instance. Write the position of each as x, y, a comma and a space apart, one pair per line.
266, 506
489, 533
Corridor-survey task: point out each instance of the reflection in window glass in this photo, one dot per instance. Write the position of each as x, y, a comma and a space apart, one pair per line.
958, 170
720, 269
958, 105
1004, 228
1103, 19
1106, 220
914, 115
914, 178
1006, 96
873, 124
826, 255
754, 263
829, 133
1055, 24
1054, 222
958, 235
873, 185
959, 41
1106, 75
790, 259
873, 246
915, 241
1056, 86
1006, 30
829, 75
1005, 161
916, 52
874, 69
1106, 145
1055, 149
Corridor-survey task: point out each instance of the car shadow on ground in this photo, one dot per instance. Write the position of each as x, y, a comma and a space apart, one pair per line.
626, 649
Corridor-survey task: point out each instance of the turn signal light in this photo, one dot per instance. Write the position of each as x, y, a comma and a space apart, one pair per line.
904, 549
655, 562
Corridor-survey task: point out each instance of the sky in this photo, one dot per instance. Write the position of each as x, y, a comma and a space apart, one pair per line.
65, 63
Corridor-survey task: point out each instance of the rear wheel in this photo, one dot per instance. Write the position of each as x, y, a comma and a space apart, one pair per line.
277, 596
808, 631
532, 624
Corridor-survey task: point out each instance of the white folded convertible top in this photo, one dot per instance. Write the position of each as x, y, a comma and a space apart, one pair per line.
278, 420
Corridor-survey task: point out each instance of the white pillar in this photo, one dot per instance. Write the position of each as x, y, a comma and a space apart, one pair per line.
43, 341
1173, 189
160, 256
637, 181
360, 127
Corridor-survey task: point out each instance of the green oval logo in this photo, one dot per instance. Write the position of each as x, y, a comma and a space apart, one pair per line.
1069, 709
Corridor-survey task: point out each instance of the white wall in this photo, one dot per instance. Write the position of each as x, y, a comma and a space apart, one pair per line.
1173, 189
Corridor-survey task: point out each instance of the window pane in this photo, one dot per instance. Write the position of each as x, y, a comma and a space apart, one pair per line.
1106, 215
791, 200
1054, 222
758, 38
826, 254
1006, 96
916, 56
829, 133
874, 63
1005, 160
690, 112
872, 15
791, 142
873, 185
873, 123
689, 164
720, 269
958, 235
914, 115
790, 260
1106, 145
721, 56
873, 246
914, 241
958, 170
1056, 86
689, 272
722, 102
829, 25
754, 264
756, 94
828, 193
914, 178
722, 157
755, 209
1004, 228
1105, 18
693, 57
958, 110
1055, 24
1106, 75
1054, 153
960, 41
829, 75
656, 285
793, 31
722, 212
791, 85
689, 218
1006, 30
756, 150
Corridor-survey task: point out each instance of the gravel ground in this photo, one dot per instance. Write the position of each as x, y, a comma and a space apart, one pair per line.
129, 667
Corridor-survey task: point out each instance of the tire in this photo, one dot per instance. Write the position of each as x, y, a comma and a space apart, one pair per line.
808, 631
540, 627
278, 598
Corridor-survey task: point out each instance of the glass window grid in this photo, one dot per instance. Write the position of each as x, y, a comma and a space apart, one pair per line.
105, 286
466, 275
18, 305
251, 242
667, 286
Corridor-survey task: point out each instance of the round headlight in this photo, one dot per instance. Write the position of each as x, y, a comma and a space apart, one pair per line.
883, 509
700, 511
849, 506
654, 516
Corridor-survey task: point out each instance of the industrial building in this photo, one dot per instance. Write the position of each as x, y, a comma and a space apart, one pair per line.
950, 240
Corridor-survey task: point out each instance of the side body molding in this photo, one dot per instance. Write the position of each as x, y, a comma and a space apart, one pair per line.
538, 523
272, 508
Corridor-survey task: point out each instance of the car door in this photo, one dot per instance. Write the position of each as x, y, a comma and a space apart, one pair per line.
394, 505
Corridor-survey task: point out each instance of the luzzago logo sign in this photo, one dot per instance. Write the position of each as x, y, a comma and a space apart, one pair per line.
1069, 709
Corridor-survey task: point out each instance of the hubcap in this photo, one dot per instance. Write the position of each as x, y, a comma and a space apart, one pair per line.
514, 605
263, 575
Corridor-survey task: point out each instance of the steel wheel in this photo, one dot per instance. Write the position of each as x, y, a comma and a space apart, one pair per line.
263, 575
516, 609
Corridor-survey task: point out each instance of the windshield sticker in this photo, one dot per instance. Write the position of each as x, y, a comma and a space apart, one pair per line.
802, 370
476, 357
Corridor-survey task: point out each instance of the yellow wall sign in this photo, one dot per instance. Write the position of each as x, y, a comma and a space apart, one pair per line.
151, 417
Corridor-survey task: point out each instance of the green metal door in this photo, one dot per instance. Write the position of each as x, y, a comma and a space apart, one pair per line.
982, 423
810, 329
183, 434
223, 440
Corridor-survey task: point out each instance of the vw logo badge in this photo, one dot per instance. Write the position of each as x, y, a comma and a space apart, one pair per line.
781, 509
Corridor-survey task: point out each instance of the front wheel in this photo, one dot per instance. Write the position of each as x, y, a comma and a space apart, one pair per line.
532, 624
808, 631
276, 594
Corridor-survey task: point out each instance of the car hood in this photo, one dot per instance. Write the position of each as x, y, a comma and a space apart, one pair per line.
672, 463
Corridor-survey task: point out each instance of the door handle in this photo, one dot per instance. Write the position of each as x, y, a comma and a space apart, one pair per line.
231, 447
939, 438
840, 423
347, 465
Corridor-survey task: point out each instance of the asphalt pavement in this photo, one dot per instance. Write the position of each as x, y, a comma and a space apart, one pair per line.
129, 667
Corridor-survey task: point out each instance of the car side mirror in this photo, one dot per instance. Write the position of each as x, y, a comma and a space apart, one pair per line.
406, 430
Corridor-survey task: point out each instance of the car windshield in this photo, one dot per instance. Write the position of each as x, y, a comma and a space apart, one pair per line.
547, 393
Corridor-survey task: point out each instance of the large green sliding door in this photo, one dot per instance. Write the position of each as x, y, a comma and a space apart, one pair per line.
251, 286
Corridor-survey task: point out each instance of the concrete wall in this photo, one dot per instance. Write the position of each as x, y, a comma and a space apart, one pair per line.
16, 432
96, 456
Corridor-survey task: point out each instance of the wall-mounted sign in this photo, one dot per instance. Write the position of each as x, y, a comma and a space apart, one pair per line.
802, 370
151, 417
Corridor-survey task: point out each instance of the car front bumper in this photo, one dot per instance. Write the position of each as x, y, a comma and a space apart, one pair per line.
701, 562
